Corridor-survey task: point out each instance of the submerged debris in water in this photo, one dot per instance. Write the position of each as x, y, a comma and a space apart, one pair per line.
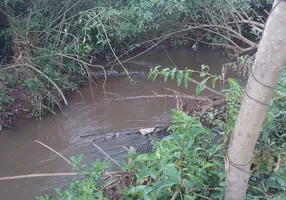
117, 183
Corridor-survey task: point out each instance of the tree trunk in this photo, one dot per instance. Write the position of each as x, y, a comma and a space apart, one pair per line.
270, 59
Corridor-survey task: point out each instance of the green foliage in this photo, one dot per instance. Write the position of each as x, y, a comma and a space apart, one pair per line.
130, 24
12, 2
52, 61
5, 42
6, 80
188, 161
201, 86
88, 187
233, 94
233, 98
269, 162
34, 85
183, 76
272, 144
277, 111
5, 98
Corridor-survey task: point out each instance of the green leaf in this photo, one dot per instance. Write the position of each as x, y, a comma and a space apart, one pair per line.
234, 84
205, 67
145, 156
206, 165
146, 172
188, 74
201, 86
171, 172
282, 181
154, 76
164, 183
214, 82
79, 158
46, 197
166, 72
203, 74
74, 160
205, 70
173, 72
137, 189
190, 142
146, 192
157, 154
189, 183
151, 73
180, 77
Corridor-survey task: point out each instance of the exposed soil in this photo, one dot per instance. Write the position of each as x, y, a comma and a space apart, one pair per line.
18, 108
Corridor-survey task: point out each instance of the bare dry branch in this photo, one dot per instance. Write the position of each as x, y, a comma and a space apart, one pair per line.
51, 149
37, 176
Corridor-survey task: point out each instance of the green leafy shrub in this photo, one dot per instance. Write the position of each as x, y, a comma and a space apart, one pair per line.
269, 164
143, 23
188, 163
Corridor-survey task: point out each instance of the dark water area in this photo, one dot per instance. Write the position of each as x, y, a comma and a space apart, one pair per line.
87, 114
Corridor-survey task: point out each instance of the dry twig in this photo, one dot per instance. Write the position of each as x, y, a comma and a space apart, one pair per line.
54, 151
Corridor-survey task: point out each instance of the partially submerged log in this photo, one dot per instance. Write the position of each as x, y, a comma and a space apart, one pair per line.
107, 135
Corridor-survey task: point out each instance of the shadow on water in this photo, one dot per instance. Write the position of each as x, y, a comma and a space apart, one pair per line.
19, 153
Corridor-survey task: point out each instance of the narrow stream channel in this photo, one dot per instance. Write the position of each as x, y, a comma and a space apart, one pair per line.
19, 154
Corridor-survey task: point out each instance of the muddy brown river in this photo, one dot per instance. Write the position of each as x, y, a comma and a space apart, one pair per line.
87, 114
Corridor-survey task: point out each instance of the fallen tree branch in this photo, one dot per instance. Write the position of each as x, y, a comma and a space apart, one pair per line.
38, 175
106, 154
154, 96
123, 131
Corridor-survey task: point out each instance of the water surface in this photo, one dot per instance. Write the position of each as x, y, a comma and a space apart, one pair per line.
87, 114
